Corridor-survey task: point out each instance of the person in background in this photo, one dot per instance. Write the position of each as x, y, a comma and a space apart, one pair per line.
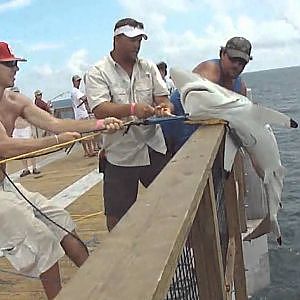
31, 243
128, 87
39, 102
163, 69
23, 130
79, 103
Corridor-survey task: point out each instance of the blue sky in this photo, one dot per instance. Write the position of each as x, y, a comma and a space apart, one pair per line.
62, 38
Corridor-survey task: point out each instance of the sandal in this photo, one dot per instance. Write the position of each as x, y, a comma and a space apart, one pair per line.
35, 171
25, 173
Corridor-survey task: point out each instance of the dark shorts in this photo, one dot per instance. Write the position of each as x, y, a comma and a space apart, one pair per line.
120, 186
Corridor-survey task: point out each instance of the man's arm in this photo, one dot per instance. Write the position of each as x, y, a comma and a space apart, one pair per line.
243, 88
43, 120
15, 146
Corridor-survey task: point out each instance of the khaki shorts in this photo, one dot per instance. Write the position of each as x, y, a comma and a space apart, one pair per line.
27, 239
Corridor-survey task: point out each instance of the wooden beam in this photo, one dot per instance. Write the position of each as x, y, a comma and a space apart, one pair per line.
230, 263
233, 221
207, 247
138, 258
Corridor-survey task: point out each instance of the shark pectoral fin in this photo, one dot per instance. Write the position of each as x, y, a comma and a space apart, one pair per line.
205, 122
271, 116
230, 152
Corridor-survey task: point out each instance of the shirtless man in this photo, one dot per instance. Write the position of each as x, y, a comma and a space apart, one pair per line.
226, 70
32, 244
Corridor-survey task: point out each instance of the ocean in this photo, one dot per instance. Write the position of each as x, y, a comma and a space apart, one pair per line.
280, 89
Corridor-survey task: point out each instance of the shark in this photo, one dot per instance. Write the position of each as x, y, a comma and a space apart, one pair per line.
250, 123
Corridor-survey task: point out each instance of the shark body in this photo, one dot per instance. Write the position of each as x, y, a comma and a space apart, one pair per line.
203, 99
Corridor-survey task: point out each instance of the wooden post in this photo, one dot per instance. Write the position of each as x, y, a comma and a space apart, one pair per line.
238, 168
233, 221
207, 248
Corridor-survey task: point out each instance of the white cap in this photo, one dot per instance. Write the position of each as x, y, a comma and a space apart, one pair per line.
130, 31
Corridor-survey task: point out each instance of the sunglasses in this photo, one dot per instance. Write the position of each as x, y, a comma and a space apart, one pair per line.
9, 64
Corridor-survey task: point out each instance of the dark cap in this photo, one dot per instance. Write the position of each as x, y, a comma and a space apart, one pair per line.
162, 65
239, 47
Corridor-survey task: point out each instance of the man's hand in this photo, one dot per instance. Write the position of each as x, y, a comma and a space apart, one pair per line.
163, 110
143, 110
112, 124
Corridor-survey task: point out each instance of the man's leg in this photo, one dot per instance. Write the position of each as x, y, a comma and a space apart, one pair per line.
51, 281
85, 149
74, 249
120, 190
111, 222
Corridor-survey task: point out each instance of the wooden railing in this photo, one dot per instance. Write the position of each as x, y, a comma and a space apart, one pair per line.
192, 199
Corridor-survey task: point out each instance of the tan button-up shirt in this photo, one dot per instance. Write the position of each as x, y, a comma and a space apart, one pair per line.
108, 81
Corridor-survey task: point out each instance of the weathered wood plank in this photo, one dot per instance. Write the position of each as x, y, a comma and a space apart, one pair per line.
138, 258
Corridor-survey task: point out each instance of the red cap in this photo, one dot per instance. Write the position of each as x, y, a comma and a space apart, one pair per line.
6, 54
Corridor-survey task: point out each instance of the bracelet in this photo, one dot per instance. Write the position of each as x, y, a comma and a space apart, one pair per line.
132, 108
100, 124
56, 137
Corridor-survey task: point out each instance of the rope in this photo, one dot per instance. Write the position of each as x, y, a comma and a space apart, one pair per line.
40, 151
84, 217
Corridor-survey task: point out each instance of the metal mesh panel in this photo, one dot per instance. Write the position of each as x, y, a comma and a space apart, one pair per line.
184, 282
219, 176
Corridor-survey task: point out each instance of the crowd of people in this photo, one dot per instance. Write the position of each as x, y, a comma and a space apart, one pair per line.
119, 88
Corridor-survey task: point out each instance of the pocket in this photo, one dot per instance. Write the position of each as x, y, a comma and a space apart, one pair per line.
119, 95
143, 90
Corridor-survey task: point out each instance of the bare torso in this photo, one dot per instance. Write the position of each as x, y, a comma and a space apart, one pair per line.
10, 109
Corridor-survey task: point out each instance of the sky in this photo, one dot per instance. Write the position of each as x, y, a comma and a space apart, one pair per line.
63, 38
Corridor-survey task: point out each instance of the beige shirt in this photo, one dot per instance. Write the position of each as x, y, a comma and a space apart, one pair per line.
108, 81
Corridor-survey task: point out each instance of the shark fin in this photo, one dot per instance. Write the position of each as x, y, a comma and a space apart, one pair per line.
270, 116
230, 151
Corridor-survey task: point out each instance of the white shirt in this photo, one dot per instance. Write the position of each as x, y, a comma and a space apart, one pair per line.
108, 81
79, 112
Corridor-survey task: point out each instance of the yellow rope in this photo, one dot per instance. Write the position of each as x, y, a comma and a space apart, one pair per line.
88, 216
62, 145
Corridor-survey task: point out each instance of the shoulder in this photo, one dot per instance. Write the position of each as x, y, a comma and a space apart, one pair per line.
147, 65
209, 69
99, 66
17, 98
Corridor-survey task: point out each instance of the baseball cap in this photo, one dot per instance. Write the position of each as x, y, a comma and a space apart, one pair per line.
6, 53
239, 47
38, 92
76, 78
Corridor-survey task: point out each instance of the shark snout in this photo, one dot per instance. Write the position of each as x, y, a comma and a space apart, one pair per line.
293, 124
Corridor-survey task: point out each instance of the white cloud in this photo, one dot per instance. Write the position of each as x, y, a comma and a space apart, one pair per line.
44, 70
13, 4
53, 80
273, 38
45, 46
78, 62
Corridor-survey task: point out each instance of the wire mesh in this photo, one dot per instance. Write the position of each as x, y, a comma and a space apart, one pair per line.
184, 282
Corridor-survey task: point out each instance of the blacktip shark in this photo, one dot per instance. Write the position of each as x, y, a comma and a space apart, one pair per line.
204, 100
